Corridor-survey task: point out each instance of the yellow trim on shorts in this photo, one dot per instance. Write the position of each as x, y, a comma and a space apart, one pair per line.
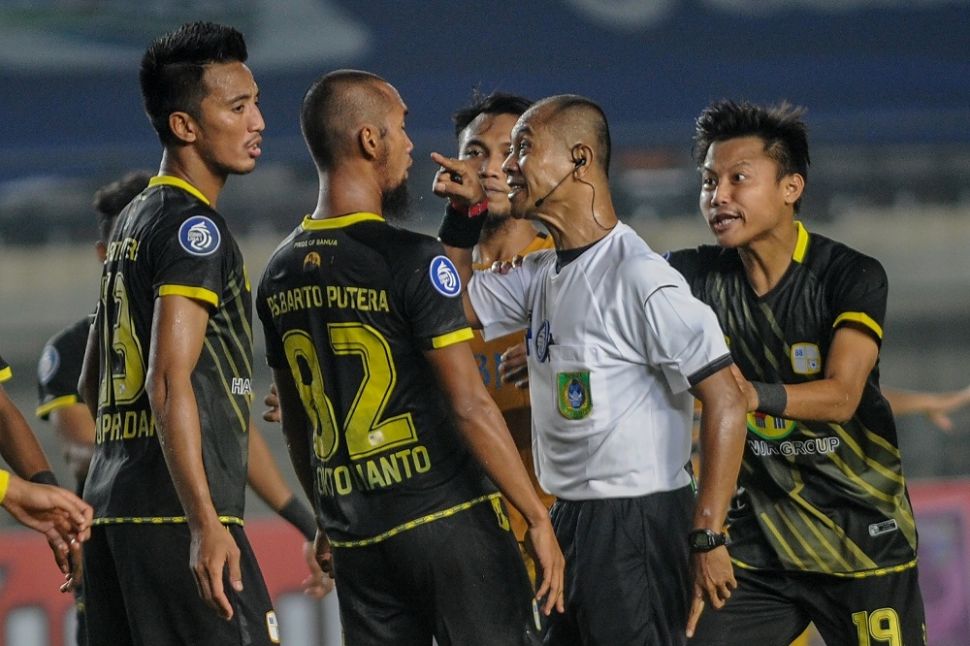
411, 524
443, 341
883, 571
4, 483
859, 317
6, 374
195, 293
169, 180
340, 221
161, 520
58, 402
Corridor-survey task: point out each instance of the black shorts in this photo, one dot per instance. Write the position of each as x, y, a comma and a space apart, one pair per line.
773, 608
626, 570
139, 590
458, 578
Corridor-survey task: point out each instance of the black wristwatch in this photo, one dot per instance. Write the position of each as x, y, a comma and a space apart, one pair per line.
704, 540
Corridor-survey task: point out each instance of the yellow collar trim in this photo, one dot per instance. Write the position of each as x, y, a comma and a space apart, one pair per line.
169, 180
340, 221
801, 244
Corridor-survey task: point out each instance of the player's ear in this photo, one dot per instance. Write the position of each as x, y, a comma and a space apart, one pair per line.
368, 138
793, 185
183, 126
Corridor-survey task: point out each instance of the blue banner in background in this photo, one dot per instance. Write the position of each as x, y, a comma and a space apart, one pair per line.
877, 71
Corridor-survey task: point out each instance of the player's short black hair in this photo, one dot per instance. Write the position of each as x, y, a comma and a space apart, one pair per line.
333, 104
173, 66
494, 103
780, 126
111, 199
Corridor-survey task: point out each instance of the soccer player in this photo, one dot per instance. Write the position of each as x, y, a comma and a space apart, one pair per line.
59, 403
821, 529
173, 341
386, 417
37, 503
617, 345
484, 133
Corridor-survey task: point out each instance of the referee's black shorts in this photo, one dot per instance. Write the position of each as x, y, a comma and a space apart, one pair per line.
773, 608
139, 590
626, 570
458, 578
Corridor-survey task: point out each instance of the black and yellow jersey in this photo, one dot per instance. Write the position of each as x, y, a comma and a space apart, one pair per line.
349, 305
59, 368
814, 496
169, 241
5, 372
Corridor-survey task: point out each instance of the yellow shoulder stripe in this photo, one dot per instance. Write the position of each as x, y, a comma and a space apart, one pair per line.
60, 402
196, 293
6, 374
801, 243
4, 483
859, 317
169, 180
464, 334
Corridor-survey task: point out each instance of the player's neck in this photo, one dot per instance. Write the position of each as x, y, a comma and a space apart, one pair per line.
343, 191
768, 257
193, 170
503, 241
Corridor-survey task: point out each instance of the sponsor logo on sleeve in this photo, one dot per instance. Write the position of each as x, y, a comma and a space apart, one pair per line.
199, 236
806, 359
444, 276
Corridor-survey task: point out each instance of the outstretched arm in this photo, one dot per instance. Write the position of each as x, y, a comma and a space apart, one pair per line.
18, 446
483, 428
178, 332
936, 406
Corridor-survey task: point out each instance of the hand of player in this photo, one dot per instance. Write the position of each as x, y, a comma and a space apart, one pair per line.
52, 511
324, 555
512, 367
750, 395
72, 579
458, 180
317, 585
212, 550
940, 406
272, 414
541, 543
713, 580
505, 266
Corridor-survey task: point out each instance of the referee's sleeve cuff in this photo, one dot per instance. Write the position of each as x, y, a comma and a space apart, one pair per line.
718, 364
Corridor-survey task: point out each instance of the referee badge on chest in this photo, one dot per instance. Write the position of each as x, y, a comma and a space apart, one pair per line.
575, 399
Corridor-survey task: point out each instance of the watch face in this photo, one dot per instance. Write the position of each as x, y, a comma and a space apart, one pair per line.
705, 539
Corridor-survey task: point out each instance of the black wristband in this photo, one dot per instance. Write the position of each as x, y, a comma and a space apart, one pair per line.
772, 398
296, 514
460, 229
44, 477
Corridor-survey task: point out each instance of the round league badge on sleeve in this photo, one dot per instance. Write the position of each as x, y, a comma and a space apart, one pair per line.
199, 236
50, 361
444, 276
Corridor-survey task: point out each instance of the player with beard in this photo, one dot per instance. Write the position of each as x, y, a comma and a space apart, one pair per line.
389, 427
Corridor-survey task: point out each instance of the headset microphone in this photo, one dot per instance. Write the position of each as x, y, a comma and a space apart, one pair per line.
576, 164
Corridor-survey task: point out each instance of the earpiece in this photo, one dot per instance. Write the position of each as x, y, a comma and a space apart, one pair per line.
580, 162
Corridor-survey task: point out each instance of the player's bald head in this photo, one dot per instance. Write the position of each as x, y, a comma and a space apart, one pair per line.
336, 106
573, 119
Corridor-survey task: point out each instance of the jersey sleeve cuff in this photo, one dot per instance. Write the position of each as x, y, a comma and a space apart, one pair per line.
5, 374
49, 407
718, 364
862, 319
443, 341
195, 293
